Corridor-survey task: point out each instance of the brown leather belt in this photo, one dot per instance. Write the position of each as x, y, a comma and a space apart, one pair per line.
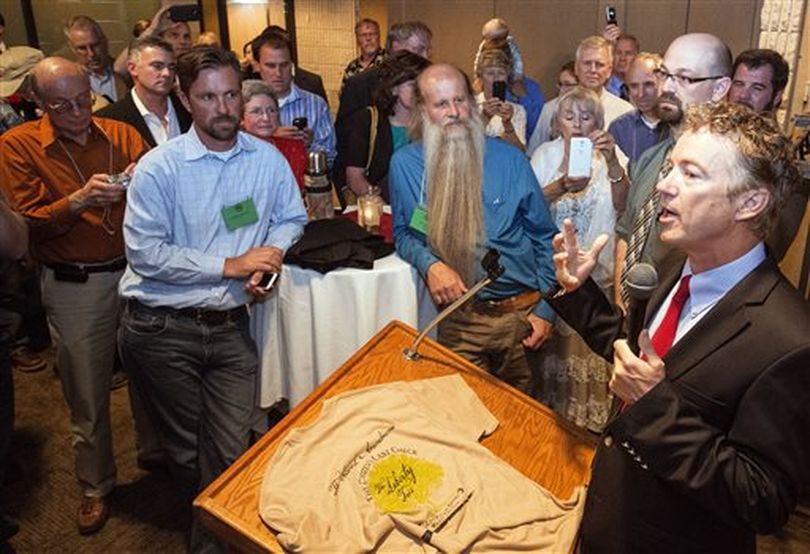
522, 301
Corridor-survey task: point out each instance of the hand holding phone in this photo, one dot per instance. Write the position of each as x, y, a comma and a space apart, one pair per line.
300, 123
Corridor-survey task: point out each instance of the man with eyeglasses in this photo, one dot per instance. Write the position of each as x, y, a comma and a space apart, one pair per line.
151, 106
696, 70
367, 32
62, 174
593, 65
89, 45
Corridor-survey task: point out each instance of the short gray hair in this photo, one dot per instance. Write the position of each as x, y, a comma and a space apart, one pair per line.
256, 87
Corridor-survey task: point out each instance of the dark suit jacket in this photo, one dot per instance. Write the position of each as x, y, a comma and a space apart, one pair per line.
310, 82
720, 448
125, 110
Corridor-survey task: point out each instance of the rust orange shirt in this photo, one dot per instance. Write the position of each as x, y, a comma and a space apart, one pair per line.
37, 175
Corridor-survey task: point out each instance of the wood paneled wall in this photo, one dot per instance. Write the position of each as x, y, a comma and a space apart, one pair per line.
548, 31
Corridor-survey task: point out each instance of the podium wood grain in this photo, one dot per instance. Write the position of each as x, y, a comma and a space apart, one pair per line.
530, 437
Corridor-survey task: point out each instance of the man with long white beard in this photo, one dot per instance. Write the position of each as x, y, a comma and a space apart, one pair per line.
455, 194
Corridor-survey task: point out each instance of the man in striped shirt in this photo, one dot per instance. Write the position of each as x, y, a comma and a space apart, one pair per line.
276, 69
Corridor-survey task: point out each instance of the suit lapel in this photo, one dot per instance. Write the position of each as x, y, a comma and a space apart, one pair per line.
724, 321
137, 120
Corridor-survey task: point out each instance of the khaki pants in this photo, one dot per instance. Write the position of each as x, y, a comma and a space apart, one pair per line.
493, 342
83, 319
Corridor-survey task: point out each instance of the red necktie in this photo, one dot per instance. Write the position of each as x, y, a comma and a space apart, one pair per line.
665, 334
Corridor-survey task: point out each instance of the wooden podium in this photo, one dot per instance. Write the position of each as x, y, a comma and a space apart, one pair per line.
530, 437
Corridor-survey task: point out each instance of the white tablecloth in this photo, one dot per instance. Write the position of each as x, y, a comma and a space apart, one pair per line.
313, 322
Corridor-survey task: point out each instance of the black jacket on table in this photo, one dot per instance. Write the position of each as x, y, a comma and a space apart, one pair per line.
719, 449
125, 110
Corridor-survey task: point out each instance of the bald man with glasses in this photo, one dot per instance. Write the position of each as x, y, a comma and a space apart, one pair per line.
62, 174
696, 70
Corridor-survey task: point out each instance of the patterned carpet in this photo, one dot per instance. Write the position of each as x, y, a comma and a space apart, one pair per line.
42, 494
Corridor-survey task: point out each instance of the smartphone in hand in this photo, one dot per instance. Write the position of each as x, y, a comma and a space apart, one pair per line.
580, 154
499, 90
610, 15
267, 281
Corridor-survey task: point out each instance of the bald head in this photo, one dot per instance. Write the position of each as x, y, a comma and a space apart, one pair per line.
444, 94
62, 90
696, 70
50, 72
702, 53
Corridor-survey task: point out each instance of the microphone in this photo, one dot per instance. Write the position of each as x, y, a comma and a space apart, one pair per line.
494, 270
642, 280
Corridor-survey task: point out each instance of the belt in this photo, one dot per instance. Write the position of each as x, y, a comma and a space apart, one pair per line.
115, 265
200, 315
521, 301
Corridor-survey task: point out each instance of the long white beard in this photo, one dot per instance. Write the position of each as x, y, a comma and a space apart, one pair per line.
454, 161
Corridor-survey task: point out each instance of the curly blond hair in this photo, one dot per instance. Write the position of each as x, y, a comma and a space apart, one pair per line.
765, 155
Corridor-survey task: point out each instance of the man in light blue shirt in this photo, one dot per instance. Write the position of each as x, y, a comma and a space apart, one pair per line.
276, 69
208, 214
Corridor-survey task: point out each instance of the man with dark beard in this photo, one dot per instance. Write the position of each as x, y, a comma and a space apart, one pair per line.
696, 69
208, 214
455, 194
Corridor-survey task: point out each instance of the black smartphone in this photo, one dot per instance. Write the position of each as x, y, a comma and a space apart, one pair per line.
300, 123
267, 281
499, 90
184, 12
610, 15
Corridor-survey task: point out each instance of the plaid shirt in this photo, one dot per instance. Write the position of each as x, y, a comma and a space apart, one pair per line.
356, 65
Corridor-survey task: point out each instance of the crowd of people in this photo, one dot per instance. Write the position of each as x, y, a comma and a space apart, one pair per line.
158, 188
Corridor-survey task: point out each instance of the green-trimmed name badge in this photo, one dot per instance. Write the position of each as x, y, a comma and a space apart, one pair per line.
240, 214
419, 220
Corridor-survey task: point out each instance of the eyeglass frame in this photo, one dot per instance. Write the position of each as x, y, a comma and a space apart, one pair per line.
66, 105
682, 80
258, 112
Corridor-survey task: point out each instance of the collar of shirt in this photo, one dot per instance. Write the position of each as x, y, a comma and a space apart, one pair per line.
293, 95
102, 79
144, 111
48, 133
707, 288
194, 149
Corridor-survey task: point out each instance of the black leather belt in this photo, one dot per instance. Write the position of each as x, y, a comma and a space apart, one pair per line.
200, 315
77, 273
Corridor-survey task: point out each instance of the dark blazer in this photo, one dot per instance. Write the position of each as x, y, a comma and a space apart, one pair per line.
126, 111
310, 82
720, 448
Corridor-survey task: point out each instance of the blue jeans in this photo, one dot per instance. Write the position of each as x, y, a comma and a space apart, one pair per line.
198, 381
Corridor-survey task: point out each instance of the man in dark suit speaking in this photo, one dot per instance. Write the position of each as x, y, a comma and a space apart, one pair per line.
151, 106
710, 442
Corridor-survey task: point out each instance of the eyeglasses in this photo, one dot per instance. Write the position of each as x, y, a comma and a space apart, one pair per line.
682, 80
81, 102
258, 112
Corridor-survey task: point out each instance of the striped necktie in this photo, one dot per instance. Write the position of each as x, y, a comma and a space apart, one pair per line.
641, 231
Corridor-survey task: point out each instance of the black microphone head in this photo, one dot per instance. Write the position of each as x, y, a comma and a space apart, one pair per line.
642, 280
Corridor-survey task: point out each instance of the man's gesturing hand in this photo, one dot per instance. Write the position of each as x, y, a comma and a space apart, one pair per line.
573, 265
